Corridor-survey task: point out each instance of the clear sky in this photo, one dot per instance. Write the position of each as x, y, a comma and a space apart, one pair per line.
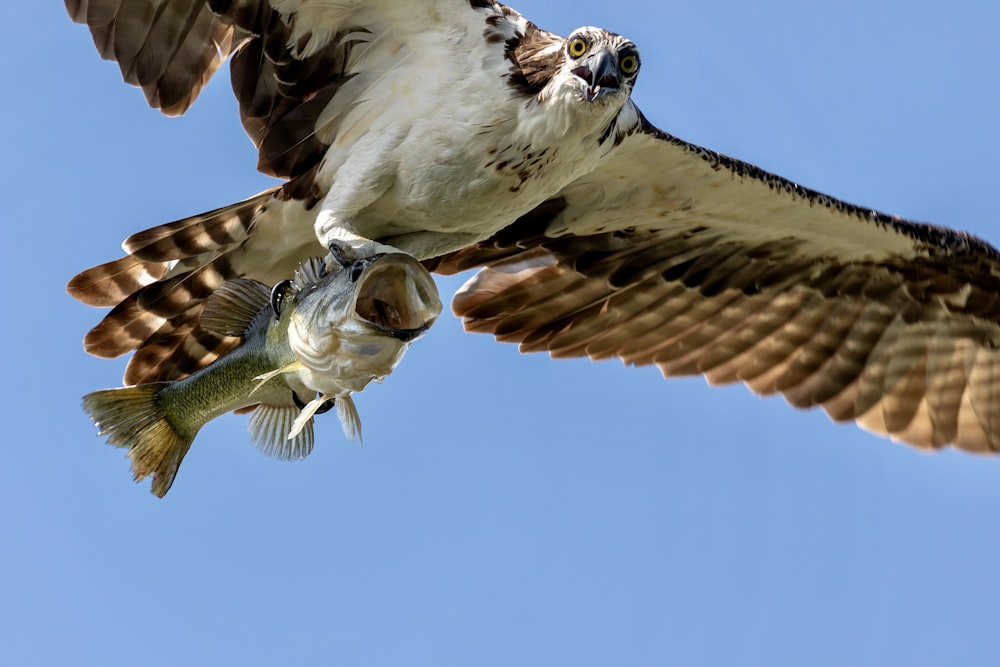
505, 509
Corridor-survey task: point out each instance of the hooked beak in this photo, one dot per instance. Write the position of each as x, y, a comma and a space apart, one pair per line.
397, 296
599, 74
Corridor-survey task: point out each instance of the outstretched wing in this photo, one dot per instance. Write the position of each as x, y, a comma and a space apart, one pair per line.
681, 257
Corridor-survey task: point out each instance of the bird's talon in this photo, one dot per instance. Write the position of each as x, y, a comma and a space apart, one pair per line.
340, 254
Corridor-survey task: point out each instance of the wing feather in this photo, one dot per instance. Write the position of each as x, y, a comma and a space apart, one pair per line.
677, 256
141, 315
108, 284
197, 235
180, 347
169, 48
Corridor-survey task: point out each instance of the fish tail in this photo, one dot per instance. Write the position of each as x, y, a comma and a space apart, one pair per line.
131, 417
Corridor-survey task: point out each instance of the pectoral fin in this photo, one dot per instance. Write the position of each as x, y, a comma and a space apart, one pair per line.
270, 426
347, 412
287, 368
307, 413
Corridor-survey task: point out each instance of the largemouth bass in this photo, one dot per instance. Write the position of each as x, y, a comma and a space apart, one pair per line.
308, 344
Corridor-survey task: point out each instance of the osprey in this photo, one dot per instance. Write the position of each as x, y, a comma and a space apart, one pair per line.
459, 132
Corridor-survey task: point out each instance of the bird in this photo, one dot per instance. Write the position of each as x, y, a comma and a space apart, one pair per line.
461, 133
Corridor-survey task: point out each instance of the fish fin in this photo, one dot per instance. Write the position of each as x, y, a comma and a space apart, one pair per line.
307, 413
290, 367
310, 272
269, 428
131, 418
350, 420
232, 308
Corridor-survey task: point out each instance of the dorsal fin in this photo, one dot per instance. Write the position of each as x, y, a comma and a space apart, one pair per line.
233, 307
310, 272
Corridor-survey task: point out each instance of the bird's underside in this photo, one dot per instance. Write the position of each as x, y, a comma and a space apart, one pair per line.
595, 234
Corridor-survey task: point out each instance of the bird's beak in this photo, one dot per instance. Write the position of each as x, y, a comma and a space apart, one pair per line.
599, 74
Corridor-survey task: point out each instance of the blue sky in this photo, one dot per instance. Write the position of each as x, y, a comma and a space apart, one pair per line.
504, 509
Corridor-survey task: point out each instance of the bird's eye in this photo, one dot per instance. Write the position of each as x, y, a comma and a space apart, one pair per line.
628, 65
576, 47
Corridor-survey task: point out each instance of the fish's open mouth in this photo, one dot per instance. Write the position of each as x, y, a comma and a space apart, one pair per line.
398, 297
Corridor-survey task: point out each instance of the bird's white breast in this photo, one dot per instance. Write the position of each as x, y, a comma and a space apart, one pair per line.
441, 151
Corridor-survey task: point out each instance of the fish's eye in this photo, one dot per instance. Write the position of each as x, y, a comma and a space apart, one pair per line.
357, 269
576, 47
629, 64
278, 294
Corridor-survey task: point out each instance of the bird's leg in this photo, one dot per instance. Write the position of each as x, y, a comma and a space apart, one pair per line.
365, 176
347, 256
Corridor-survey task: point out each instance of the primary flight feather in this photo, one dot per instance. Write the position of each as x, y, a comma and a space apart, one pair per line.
459, 132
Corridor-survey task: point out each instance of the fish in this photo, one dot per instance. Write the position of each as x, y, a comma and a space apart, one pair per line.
327, 333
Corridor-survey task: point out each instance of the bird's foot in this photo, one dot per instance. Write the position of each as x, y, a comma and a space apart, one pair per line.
346, 253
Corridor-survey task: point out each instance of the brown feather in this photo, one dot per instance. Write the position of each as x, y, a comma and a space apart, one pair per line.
149, 314
533, 60
169, 49
224, 227
179, 349
108, 284
859, 360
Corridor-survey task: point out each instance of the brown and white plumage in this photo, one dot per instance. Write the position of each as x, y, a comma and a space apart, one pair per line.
600, 235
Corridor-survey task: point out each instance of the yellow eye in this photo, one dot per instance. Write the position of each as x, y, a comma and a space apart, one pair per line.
628, 65
577, 47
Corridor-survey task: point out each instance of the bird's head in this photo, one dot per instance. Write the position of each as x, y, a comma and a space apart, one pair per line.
599, 65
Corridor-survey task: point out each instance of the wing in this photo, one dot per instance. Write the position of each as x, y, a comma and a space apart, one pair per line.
300, 70
169, 49
681, 257
297, 66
